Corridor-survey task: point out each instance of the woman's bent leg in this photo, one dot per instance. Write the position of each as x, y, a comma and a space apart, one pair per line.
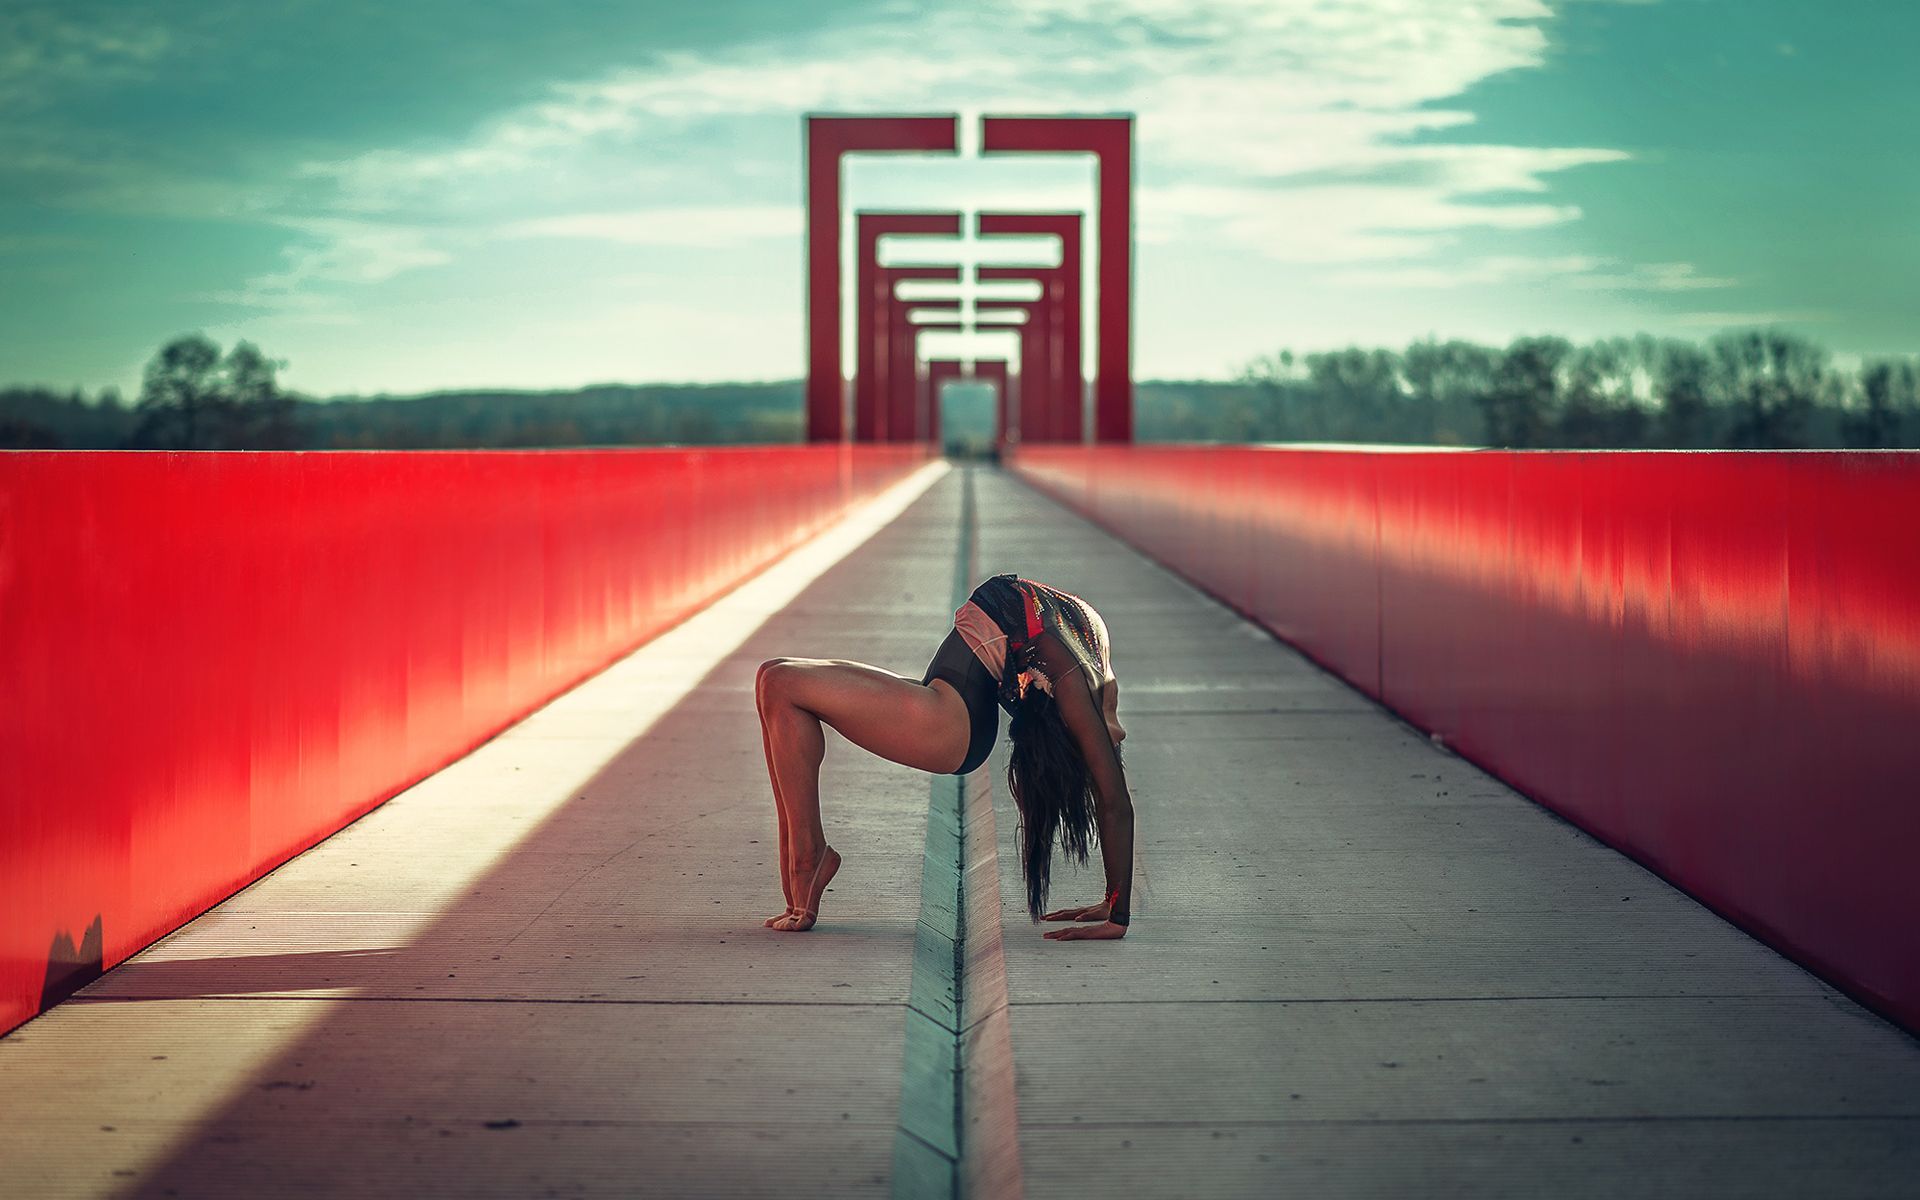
779, 805
892, 716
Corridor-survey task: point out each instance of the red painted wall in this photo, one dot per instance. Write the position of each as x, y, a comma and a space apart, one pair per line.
211, 661
1710, 661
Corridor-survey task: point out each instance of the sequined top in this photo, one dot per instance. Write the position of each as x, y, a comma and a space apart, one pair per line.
1006, 613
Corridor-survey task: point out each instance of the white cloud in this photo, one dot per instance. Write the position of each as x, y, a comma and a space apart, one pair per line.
685, 226
1720, 320
44, 55
1476, 273
339, 251
276, 308
652, 105
1333, 223
1655, 277
1576, 270
351, 251
1237, 91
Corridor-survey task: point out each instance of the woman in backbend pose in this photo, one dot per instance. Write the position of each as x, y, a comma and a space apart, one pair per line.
1036, 651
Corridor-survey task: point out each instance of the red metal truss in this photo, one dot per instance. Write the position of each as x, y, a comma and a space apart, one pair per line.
1110, 140
828, 140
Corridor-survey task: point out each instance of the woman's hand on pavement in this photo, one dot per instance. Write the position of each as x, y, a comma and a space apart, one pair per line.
1106, 931
1091, 912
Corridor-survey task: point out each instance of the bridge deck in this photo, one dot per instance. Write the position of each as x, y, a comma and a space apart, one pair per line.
1360, 966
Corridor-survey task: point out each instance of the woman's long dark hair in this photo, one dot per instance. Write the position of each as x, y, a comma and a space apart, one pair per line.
1052, 788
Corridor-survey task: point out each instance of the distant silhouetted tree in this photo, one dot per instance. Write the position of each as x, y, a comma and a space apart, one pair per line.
1771, 380
181, 406
1683, 386
19, 434
1523, 399
191, 399
1268, 402
261, 415
1445, 384
42, 417
1889, 402
1604, 399
1357, 393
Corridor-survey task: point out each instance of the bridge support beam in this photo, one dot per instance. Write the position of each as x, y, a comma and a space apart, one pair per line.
1042, 372
1046, 342
880, 414
829, 139
895, 348
1110, 140
1063, 418
994, 371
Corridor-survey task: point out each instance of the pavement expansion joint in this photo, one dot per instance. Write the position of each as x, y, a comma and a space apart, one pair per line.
941, 1093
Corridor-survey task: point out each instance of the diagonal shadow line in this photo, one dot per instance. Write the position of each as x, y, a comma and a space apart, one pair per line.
449, 1084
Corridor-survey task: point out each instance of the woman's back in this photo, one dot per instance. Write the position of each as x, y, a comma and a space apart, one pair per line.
1022, 609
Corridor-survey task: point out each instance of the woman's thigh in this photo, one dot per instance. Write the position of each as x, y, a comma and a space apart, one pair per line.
899, 719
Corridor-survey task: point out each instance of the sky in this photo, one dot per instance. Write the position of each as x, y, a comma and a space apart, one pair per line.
400, 198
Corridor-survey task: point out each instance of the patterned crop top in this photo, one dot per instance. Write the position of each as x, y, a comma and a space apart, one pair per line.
1003, 616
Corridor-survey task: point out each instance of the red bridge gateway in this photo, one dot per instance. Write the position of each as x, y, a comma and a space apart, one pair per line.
1510, 823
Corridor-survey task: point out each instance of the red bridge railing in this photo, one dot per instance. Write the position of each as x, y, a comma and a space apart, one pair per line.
1710, 661
211, 661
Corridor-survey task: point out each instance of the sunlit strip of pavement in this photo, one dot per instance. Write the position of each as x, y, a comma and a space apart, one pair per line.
543, 967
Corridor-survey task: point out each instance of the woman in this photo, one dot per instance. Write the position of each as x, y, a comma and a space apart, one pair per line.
1038, 652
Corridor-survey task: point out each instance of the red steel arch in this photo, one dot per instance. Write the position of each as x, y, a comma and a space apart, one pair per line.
828, 140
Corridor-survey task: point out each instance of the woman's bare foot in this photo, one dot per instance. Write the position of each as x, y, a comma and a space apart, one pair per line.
808, 912
786, 886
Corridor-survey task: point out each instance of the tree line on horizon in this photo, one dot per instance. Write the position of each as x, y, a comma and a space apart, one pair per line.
1742, 389
194, 398
1745, 389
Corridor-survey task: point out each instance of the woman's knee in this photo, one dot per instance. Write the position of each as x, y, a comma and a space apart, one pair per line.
774, 678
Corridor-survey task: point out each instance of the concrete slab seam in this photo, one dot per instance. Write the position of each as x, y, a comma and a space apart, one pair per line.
926, 1145
942, 1094
989, 1111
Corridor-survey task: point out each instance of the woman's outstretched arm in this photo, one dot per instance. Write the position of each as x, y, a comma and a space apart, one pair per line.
1080, 710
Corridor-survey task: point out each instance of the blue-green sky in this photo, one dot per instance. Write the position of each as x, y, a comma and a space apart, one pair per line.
397, 197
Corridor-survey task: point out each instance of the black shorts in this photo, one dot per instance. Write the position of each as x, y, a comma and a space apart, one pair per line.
956, 663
